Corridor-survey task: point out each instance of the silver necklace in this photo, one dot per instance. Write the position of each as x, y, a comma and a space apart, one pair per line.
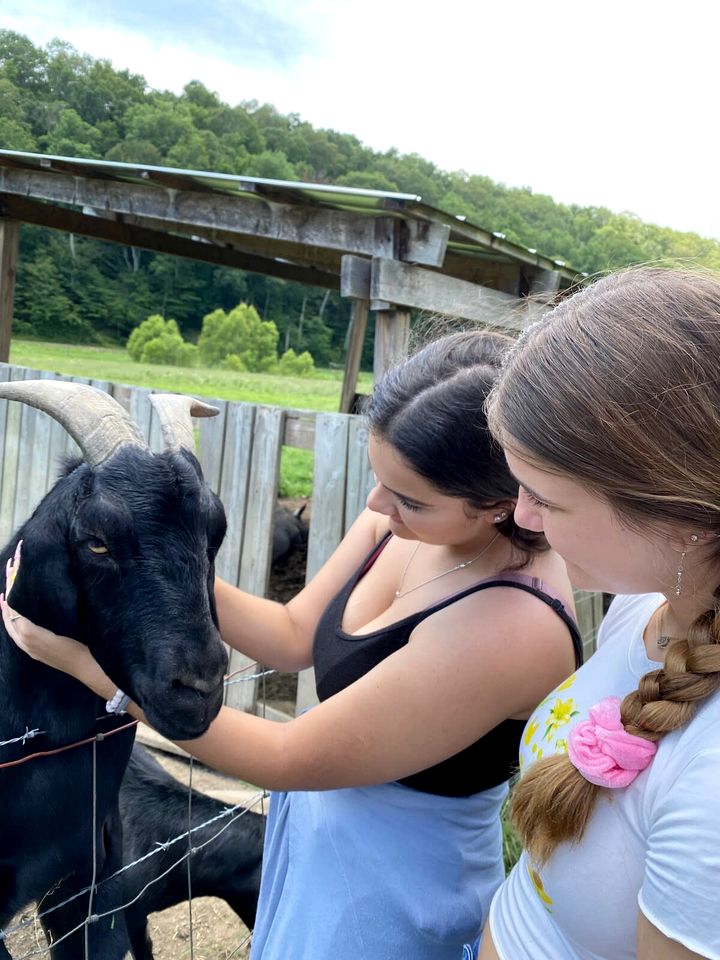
458, 566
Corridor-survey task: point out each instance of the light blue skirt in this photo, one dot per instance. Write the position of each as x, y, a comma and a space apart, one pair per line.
377, 873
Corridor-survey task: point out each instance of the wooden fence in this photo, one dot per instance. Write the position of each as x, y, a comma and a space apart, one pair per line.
240, 452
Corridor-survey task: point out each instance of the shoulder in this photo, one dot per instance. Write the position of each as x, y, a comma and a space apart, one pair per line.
509, 635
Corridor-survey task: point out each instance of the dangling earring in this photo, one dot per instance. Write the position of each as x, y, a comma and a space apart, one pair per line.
681, 566
500, 516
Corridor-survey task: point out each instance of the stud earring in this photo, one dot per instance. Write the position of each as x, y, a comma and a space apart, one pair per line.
500, 516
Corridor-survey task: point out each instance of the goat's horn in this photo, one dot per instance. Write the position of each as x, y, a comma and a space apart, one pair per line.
174, 413
96, 422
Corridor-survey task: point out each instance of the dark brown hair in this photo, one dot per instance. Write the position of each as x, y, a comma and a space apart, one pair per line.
430, 409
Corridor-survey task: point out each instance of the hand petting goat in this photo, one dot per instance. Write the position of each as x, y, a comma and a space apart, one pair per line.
37, 642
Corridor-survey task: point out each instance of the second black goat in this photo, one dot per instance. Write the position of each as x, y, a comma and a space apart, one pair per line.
154, 810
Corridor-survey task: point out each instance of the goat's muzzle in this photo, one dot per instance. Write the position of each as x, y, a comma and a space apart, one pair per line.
182, 707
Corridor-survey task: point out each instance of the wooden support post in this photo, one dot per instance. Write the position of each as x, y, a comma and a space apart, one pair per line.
358, 323
9, 232
392, 335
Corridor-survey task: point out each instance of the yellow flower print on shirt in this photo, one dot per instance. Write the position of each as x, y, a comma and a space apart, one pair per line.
530, 731
565, 685
561, 713
539, 888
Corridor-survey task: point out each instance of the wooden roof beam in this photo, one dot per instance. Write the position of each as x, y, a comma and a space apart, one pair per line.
415, 241
115, 231
389, 283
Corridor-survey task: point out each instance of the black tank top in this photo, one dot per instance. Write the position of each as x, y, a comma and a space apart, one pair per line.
341, 658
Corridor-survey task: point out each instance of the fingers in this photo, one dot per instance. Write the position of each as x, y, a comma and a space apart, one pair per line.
9, 616
11, 568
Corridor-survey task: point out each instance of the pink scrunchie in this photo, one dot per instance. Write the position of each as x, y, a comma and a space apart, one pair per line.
603, 751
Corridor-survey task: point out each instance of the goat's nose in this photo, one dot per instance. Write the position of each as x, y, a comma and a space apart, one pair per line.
202, 684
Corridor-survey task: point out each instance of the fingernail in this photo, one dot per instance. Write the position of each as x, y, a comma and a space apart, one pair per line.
18, 549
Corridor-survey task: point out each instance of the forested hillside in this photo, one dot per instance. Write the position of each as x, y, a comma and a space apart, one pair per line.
58, 101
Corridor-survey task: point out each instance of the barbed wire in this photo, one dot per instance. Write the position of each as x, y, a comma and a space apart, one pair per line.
91, 917
229, 681
160, 848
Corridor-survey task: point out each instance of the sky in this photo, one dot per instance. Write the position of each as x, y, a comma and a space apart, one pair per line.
607, 103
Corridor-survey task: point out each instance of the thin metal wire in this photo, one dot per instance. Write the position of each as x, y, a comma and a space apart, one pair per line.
23, 738
94, 851
243, 808
189, 859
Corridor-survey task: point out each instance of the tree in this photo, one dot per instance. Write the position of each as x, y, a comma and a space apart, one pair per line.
242, 333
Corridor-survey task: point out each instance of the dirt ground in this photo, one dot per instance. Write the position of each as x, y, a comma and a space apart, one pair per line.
217, 932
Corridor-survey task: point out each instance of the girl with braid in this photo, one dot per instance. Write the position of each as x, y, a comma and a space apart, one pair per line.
609, 413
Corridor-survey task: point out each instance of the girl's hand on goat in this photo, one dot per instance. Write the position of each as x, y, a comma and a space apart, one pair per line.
11, 569
62, 653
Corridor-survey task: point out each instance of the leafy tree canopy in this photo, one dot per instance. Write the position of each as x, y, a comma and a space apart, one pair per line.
56, 100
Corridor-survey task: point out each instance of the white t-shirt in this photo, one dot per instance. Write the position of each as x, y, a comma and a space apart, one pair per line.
654, 845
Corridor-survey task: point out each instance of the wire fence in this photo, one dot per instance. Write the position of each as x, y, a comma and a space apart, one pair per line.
225, 819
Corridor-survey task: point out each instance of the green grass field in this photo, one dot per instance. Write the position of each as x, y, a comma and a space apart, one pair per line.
320, 392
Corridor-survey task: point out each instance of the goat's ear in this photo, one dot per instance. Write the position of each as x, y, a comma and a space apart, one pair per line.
45, 588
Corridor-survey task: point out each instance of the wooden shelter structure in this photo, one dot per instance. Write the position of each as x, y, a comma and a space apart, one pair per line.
386, 252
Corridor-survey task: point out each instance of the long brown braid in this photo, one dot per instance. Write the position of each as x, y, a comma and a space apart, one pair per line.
618, 388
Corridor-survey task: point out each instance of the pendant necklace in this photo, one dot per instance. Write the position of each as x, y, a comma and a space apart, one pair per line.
662, 639
458, 566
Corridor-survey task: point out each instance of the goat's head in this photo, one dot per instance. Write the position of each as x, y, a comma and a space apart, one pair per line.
120, 554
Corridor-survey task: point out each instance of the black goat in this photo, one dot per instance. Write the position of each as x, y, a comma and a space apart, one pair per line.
289, 532
119, 554
154, 809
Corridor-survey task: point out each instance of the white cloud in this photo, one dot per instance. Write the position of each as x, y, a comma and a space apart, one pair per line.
606, 104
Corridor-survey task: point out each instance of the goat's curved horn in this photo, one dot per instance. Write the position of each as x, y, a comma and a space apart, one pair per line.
174, 413
96, 422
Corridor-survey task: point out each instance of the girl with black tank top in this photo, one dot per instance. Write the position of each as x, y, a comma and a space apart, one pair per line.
435, 628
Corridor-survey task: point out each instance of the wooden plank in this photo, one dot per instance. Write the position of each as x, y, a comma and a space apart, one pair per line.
141, 409
211, 443
9, 239
234, 486
355, 277
353, 354
359, 476
139, 235
29, 417
322, 227
412, 286
4, 377
11, 448
299, 429
327, 520
262, 494
71, 448
392, 335
40, 477
256, 552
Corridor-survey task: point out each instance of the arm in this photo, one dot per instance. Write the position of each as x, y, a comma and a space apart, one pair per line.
281, 635
654, 945
444, 690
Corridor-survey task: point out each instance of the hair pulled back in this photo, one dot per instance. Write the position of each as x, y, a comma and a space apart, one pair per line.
430, 409
619, 388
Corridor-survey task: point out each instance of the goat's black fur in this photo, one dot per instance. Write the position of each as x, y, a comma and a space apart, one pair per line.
154, 809
146, 610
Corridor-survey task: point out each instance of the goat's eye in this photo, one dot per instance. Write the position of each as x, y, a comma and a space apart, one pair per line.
97, 547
